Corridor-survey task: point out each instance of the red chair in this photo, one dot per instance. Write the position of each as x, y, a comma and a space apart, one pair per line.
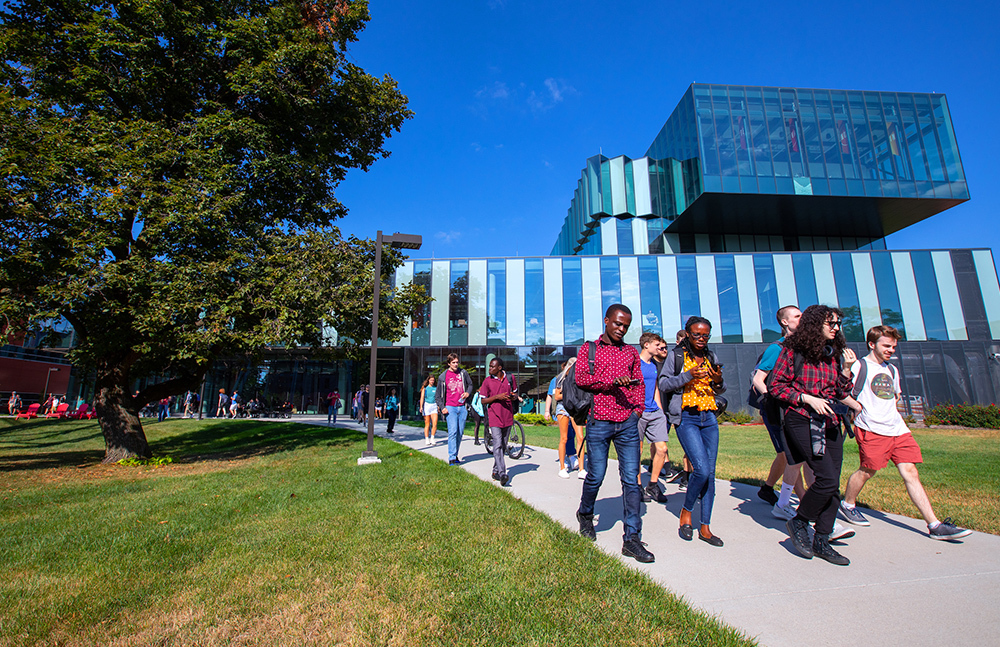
62, 411
32, 412
81, 413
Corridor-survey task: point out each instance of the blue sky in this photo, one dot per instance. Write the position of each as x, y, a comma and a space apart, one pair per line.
511, 98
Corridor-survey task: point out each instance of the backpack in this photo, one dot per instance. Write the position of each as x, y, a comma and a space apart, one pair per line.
859, 384
576, 400
773, 408
755, 399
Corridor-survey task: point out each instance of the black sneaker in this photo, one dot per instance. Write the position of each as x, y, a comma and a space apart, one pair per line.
496, 477
767, 495
821, 548
503, 479
587, 526
646, 498
676, 476
682, 483
798, 530
637, 550
946, 530
653, 492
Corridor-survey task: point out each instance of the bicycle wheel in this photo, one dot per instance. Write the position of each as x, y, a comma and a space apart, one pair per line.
515, 444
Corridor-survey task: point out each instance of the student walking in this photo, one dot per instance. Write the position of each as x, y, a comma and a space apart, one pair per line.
499, 396
220, 411
619, 394
391, 410
565, 421
332, 406
882, 435
455, 387
692, 407
653, 424
429, 408
812, 371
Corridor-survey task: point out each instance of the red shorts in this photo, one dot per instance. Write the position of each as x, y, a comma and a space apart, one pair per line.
876, 450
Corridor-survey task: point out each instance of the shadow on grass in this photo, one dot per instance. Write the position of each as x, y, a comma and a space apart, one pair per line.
51, 444
240, 439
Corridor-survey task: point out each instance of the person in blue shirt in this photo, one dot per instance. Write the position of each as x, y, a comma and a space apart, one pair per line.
391, 410
653, 425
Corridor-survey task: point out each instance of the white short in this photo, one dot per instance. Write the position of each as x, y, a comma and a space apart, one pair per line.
430, 408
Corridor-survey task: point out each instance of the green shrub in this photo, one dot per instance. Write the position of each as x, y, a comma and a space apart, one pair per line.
736, 417
532, 419
965, 415
155, 461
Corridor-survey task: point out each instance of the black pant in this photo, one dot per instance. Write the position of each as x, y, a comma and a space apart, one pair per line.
391, 414
821, 501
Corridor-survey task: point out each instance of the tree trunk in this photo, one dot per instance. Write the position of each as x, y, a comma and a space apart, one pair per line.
118, 414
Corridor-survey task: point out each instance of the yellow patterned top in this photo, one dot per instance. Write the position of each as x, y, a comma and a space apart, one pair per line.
698, 393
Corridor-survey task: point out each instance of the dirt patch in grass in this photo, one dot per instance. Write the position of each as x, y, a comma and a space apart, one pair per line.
20, 479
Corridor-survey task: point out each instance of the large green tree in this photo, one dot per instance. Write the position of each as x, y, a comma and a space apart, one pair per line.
167, 177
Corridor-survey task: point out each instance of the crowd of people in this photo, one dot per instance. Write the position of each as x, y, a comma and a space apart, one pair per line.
812, 391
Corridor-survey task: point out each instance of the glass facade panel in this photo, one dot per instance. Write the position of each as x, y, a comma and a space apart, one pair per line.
949, 146
625, 246
649, 294
813, 143
847, 297
709, 141
728, 166
758, 135
534, 302
458, 309
888, 295
767, 296
730, 324
572, 301
930, 298
496, 302
515, 302
687, 287
932, 148
421, 333
951, 303
611, 287
593, 314
776, 135
805, 281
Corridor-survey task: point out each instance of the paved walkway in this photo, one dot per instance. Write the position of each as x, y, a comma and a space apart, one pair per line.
901, 588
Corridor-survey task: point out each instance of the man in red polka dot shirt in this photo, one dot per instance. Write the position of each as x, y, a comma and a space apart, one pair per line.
619, 398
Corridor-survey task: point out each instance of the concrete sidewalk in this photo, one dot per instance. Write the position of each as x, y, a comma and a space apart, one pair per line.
902, 588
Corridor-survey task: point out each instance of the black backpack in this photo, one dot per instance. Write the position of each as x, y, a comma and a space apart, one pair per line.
575, 399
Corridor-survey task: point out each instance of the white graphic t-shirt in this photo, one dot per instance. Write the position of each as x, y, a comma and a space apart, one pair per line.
878, 398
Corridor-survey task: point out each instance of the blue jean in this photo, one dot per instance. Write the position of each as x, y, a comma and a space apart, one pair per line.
331, 413
625, 435
456, 427
699, 436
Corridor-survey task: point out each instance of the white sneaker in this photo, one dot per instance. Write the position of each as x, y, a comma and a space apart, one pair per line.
572, 462
787, 513
563, 474
840, 532
582, 475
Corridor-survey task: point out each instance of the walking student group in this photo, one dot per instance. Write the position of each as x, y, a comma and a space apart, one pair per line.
812, 392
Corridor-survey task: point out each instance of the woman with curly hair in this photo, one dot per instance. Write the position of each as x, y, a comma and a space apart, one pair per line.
812, 371
691, 408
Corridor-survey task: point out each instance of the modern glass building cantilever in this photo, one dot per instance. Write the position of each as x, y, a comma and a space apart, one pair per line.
792, 163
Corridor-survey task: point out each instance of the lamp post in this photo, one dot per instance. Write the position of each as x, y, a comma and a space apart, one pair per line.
400, 241
47, 376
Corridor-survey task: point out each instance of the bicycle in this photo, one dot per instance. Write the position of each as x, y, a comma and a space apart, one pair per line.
515, 442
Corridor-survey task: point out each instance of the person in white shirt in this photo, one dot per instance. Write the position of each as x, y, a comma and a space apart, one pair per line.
883, 435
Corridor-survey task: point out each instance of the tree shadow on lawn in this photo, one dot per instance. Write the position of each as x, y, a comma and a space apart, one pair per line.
223, 441
241, 439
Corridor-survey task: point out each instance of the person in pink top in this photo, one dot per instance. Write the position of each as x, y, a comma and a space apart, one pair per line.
499, 395
454, 386
619, 399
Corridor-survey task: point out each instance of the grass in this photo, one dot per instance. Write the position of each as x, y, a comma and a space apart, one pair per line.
961, 470
269, 533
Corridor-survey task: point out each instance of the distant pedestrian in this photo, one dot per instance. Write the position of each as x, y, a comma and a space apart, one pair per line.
332, 406
220, 411
14, 403
363, 403
882, 435
619, 393
455, 386
813, 371
499, 396
164, 409
234, 405
391, 410
429, 408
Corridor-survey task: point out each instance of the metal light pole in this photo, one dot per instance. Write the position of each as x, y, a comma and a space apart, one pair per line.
47, 376
404, 241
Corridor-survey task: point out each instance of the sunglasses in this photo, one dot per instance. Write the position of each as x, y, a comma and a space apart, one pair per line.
700, 335
834, 324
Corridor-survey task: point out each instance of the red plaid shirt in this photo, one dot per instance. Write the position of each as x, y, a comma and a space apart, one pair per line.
612, 403
824, 380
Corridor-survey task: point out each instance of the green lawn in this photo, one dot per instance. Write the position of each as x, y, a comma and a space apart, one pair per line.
961, 470
269, 533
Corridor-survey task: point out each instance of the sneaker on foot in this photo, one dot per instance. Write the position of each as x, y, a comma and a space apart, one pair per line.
852, 515
587, 526
676, 476
636, 549
946, 530
821, 548
582, 475
767, 495
798, 530
653, 492
682, 483
646, 496
840, 532
785, 512
563, 473
504, 479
